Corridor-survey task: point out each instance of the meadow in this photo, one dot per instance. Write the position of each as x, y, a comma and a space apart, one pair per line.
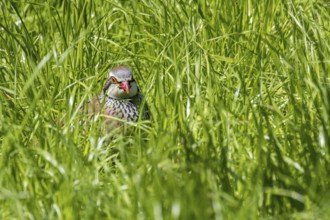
239, 93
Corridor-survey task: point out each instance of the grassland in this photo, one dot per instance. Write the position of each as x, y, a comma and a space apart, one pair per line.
238, 91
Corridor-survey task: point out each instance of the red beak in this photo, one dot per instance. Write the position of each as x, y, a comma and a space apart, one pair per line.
125, 86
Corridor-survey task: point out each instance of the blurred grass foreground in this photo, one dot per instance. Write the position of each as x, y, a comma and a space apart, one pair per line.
239, 93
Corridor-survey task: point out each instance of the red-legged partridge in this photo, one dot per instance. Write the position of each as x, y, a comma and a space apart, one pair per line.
120, 97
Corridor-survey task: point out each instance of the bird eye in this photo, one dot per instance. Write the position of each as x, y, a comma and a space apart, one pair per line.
114, 80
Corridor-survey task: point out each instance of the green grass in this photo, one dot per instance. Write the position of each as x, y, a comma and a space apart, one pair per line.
238, 91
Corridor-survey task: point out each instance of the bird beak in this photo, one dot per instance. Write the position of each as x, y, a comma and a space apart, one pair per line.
125, 86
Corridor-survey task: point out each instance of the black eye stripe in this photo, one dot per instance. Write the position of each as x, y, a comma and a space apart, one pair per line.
115, 81
107, 85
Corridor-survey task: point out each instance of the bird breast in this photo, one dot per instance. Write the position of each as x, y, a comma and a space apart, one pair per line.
123, 109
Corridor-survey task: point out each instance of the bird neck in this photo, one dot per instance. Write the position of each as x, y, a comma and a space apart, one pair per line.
107, 97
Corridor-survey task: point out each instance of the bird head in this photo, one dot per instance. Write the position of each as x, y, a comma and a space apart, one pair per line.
120, 84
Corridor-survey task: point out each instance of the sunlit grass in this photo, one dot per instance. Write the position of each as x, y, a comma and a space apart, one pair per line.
239, 97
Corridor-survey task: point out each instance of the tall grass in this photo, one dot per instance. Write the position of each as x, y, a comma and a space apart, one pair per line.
238, 91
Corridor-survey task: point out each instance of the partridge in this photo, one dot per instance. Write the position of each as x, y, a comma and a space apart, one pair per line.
120, 97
